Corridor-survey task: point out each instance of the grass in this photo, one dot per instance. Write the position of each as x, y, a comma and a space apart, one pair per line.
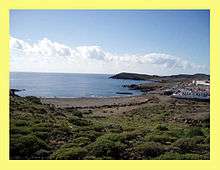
40, 131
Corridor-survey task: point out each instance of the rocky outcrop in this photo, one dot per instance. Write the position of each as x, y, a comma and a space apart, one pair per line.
13, 92
134, 76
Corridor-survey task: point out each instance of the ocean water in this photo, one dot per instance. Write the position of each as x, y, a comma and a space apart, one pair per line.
69, 85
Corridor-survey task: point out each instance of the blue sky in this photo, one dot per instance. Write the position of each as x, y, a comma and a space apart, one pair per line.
153, 36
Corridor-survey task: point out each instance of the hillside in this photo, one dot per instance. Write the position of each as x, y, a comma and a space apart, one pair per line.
161, 129
136, 76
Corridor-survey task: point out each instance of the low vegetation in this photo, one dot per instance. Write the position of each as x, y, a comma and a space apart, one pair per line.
40, 131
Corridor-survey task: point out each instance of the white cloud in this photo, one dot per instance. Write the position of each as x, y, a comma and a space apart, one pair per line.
49, 56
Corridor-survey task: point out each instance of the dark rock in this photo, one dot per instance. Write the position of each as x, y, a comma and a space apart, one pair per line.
124, 93
13, 91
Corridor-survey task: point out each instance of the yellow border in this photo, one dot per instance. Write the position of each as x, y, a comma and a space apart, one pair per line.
6, 5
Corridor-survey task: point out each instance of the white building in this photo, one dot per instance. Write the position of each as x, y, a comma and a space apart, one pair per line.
201, 82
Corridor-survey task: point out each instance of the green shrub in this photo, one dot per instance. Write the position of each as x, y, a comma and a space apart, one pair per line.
74, 153
40, 111
20, 130
41, 127
111, 136
33, 99
41, 135
98, 127
81, 141
112, 127
69, 145
25, 146
150, 149
77, 113
192, 145
36, 121
103, 147
37, 128
92, 135
163, 139
79, 121
21, 123
64, 128
177, 132
133, 135
196, 131
198, 139
162, 127
185, 144
166, 113
73, 112
34, 109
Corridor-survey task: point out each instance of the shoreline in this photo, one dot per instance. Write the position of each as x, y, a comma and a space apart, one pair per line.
96, 102
87, 97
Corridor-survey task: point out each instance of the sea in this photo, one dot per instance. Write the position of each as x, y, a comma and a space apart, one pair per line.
70, 85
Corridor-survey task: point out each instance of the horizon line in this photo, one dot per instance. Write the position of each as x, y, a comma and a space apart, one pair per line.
105, 73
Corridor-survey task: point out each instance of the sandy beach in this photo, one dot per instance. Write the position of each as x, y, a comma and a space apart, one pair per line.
96, 102
108, 105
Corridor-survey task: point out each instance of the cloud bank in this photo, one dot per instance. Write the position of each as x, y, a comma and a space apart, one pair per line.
48, 56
